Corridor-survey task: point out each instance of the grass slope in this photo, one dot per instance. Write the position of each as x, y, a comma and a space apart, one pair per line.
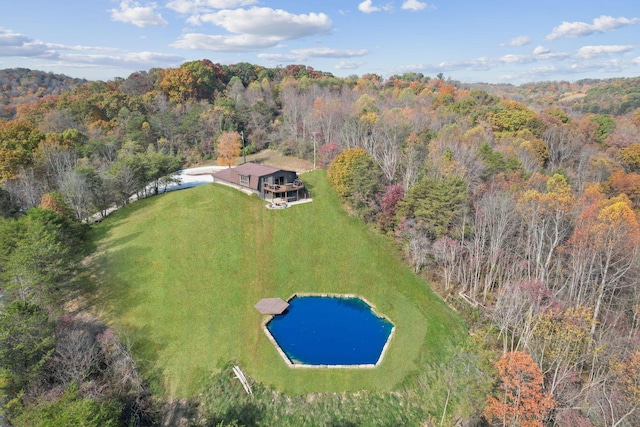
180, 274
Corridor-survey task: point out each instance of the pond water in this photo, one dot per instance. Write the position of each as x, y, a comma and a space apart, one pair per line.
320, 330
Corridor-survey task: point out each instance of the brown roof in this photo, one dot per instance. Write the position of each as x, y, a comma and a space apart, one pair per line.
271, 305
224, 174
255, 169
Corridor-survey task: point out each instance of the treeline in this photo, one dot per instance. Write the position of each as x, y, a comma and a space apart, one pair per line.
523, 209
529, 219
21, 86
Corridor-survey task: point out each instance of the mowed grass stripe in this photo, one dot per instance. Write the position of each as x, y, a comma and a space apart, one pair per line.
180, 274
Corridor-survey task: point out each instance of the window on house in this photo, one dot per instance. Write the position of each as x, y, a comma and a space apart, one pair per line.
244, 180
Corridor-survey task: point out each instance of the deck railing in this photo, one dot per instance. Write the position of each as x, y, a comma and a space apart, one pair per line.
277, 188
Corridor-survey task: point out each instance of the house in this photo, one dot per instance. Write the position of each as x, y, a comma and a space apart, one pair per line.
269, 183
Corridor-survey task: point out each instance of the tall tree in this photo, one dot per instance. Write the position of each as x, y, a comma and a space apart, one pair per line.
26, 343
229, 147
604, 250
547, 220
18, 140
435, 204
35, 262
521, 399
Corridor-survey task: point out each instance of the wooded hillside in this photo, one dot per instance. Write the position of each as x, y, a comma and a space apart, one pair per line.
520, 203
21, 86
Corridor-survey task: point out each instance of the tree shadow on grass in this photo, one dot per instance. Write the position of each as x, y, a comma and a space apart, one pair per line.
247, 414
342, 423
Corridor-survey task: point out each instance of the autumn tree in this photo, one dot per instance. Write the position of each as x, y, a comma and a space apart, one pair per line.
339, 173
626, 183
229, 147
547, 218
603, 251
521, 399
561, 345
630, 156
207, 76
178, 83
621, 391
18, 140
326, 154
54, 201
510, 116
389, 200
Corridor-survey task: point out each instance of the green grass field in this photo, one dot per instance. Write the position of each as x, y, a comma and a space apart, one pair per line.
179, 275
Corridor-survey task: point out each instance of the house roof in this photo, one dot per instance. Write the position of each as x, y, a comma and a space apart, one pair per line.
255, 169
224, 174
271, 306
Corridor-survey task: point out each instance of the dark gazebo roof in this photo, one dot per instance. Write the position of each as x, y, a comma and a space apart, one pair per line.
271, 306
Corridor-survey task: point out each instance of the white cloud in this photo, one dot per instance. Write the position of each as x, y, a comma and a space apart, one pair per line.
600, 25
519, 41
60, 56
200, 6
131, 12
16, 44
414, 5
487, 63
278, 57
325, 52
517, 59
367, 7
267, 22
300, 55
587, 52
227, 43
142, 59
540, 50
349, 65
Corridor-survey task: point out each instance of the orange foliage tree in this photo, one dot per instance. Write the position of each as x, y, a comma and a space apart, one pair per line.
626, 183
229, 146
521, 400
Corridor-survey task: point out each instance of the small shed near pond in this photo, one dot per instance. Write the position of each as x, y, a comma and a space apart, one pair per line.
271, 306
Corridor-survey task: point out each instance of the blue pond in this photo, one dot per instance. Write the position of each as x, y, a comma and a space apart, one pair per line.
318, 330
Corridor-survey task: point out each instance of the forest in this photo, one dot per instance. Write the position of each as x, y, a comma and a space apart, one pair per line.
519, 204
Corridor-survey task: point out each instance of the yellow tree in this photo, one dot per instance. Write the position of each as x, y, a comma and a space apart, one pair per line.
621, 391
229, 146
560, 343
18, 140
603, 250
546, 217
630, 156
339, 174
178, 83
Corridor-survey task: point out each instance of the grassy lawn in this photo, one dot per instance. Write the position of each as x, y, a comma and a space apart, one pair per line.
179, 275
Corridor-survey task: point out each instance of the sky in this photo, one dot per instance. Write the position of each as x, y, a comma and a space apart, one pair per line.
492, 41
